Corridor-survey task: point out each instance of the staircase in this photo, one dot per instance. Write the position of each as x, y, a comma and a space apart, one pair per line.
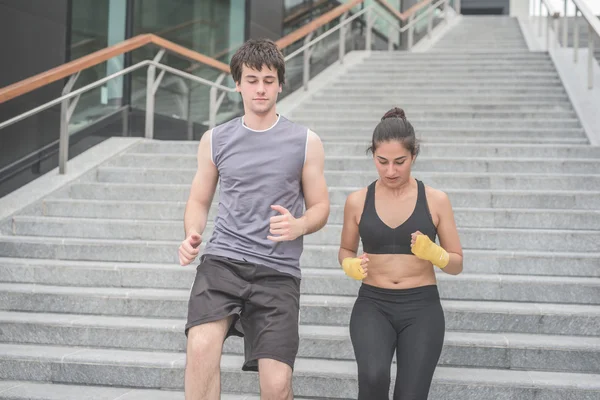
94, 302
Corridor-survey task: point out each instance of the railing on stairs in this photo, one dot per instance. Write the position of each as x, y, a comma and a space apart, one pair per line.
68, 100
561, 31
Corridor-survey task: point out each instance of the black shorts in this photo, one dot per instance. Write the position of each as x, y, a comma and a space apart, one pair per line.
265, 304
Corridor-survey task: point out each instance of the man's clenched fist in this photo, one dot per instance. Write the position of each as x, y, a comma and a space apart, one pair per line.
188, 251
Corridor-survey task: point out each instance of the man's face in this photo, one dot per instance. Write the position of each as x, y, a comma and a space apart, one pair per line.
259, 89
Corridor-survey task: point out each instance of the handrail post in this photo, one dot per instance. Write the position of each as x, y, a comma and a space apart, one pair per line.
149, 125
556, 34
306, 61
186, 106
548, 31
369, 33
411, 32
213, 107
66, 111
445, 11
540, 19
590, 56
343, 37
390, 33
150, 92
565, 28
457, 6
430, 20
576, 38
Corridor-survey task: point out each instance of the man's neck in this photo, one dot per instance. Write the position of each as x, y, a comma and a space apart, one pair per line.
260, 122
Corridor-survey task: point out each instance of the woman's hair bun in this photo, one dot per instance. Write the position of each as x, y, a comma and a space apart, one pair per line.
395, 112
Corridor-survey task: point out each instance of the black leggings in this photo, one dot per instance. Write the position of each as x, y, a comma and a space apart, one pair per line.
408, 321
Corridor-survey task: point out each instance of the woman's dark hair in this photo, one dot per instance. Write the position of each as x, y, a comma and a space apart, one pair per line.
394, 126
255, 53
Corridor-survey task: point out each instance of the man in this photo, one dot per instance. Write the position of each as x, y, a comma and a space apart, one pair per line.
248, 281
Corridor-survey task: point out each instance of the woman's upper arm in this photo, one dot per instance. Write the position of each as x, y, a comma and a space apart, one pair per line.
446, 229
350, 236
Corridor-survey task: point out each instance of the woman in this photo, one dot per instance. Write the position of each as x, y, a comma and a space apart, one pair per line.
398, 306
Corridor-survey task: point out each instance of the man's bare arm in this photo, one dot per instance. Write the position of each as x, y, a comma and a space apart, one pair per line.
199, 200
202, 190
314, 186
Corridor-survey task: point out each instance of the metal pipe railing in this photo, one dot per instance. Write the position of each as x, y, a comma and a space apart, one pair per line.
69, 98
581, 11
371, 14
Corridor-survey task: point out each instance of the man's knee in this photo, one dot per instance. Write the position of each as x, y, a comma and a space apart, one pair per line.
275, 379
205, 342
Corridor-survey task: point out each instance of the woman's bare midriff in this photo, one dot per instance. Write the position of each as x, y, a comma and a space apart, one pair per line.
399, 271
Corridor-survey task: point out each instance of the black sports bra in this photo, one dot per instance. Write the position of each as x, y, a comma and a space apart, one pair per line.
379, 238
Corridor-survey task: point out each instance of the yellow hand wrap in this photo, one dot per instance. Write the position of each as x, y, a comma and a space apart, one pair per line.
352, 268
425, 249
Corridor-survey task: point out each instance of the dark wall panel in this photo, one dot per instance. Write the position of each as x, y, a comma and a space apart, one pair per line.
265, 19
494, 6
32, 40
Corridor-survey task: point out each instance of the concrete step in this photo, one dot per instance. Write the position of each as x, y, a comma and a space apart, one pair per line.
541, 67
464, 349
442, 64
449, 180
172, 276
326, 379
506, 46
316, 281
443, 83
437, 98
458, 90
439, 106
318, 123
422, 164
470, 137
27, 390
151, 273
421, 114
332, 310
357, 148
399, 76
501, 262
465, 217
474, 198
471, 55
158, 230
499, 134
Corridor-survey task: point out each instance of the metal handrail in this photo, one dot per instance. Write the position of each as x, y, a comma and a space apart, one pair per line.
95, 84
581, 8
593, 27
551, 13
69, 98
76, 66
372, 14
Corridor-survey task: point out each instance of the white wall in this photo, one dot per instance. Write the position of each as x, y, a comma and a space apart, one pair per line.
519, 8
593, 5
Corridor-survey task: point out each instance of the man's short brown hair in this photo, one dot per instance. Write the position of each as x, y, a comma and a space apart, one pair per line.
255, 53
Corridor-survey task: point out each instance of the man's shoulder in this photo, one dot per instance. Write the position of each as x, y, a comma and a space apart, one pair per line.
296, 125
227, 126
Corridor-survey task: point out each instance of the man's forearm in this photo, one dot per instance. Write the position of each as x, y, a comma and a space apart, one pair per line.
195, 217
315, 218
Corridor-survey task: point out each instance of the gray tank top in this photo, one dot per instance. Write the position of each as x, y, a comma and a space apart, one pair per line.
257, 169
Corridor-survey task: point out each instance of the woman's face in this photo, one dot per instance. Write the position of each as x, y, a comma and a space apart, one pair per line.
393, 162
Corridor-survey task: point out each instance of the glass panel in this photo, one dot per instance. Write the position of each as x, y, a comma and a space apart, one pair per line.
326, 52
215, 28
95, 25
